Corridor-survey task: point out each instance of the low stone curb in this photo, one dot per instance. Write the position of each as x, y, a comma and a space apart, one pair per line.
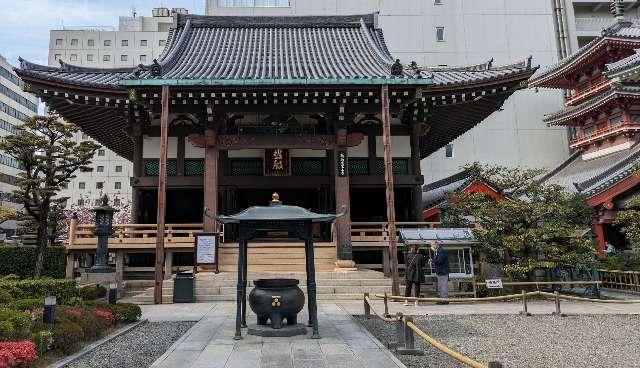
87, 349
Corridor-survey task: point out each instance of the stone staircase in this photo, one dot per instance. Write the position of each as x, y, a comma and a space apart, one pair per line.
210, 287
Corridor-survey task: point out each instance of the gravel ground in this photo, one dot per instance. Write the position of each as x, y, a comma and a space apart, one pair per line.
517, 341
138, 348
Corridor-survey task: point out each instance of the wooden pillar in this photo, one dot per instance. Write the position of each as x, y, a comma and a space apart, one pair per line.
210, 180
416, 191
138, 171
342, 224
388, 179
180, 155
162, 196
598, 231
73, 226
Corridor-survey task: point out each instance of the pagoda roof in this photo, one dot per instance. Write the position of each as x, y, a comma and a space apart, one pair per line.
624, 67
594, 176
616, 91
437, 192
622, 32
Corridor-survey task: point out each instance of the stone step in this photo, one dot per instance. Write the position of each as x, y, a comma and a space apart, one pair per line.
324, 282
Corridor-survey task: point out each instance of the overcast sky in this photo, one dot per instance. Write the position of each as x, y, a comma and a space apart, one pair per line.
25, 24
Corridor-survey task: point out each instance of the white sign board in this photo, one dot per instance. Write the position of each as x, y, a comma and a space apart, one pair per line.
493, 283
206, 249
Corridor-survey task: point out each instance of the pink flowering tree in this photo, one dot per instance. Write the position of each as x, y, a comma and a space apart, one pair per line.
87, 216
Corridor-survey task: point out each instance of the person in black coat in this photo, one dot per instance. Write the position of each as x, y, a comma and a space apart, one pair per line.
441, 263
414, 272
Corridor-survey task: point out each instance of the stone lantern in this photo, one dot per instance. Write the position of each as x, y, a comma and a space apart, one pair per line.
104, 228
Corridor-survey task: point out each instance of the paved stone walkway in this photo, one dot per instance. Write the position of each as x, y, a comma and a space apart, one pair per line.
345, 343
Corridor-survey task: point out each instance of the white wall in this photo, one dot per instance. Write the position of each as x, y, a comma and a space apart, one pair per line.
475, 31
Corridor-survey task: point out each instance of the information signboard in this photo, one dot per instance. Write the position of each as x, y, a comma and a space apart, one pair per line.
493, 283
206, 249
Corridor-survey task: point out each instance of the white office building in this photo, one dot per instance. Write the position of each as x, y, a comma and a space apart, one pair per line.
460, 32
15, 106
137, 40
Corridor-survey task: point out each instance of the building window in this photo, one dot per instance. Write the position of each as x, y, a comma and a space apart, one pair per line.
616, 121
124, 43
106, 57
116, 202
438, 2
58, 41
143, 43
143, 58
99, 185
81, 185
74, 42
118, 168
440, 34
117, 185
635, 118
64, 185
448, 151
253, 3
80, 202
100, 152
107, 42
100, 169
57, 56
123, 57
161, 43
89, 57
74, 57
91, 42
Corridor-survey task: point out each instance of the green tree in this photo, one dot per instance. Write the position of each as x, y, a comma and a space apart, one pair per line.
49, 158
628, 218
533, 225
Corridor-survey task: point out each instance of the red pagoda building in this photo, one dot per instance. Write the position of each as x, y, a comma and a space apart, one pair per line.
602, 113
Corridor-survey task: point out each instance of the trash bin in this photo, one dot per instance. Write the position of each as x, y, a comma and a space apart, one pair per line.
183, 288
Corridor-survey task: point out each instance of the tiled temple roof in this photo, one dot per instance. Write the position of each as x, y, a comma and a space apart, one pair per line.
625, 31
437, 192
286, 50
591, 177
623, 66
616, 91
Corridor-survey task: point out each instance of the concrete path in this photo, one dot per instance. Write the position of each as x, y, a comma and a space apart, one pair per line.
345, 343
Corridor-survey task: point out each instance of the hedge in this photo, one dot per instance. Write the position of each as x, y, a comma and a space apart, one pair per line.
21, 261
63, 289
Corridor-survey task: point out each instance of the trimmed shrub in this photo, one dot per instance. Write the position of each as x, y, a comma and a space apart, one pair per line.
5, 297
27, 304
24, 352
21, 261
14, 324
34, 289
92, 292
91, 327
126, 312
43, 341
67, 337
105, 317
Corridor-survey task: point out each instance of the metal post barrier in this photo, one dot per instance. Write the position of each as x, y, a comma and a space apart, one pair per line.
386, 306
399, 332
556, 297
409, 342
525, 311
367, 308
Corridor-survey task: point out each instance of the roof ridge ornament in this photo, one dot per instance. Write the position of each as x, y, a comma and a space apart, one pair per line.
397, 69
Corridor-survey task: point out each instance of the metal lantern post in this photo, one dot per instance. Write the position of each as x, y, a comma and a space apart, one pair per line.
104, 228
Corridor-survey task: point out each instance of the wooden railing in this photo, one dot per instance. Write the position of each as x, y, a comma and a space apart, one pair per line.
620, 280
374, 232
604, 132
579, 95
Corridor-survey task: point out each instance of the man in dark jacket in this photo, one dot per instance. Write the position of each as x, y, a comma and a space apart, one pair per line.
414, 272
441, 262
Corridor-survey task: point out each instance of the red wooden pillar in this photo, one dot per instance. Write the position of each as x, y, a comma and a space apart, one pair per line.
162, 196
598, 231
388, 180
210, 180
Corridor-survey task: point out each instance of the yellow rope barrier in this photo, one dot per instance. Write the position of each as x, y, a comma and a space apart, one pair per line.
445, 349
459, 300
386, 319
577, 298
